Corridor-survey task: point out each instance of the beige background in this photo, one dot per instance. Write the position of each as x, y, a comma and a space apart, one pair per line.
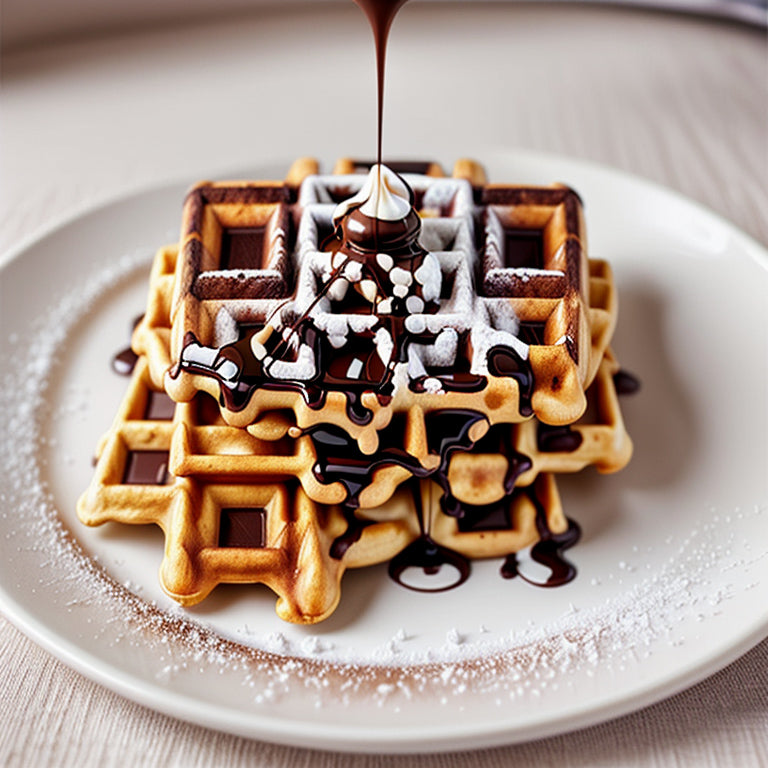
678, 99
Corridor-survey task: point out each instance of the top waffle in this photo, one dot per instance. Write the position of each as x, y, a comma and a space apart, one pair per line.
497, 318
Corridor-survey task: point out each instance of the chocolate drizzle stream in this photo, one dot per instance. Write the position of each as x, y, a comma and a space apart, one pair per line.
381, 14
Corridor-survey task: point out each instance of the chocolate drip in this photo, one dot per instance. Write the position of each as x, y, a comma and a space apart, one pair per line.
340, 460
124, 362
517, 464
547, 551
562, 439
505, 361
626, 383
424, 553
356, 411
497, 515
451, 427
355, 528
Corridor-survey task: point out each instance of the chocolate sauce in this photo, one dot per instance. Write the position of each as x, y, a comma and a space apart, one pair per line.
124, 362
430, 557
551, 439
243, 527
425, 554
486, 517
504, 361
362, 237
626, 383
355, 528
381, 14
340, 460
517, 463
448, 431
547, 551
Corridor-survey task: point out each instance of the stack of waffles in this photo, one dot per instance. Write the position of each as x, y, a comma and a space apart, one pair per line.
279, 431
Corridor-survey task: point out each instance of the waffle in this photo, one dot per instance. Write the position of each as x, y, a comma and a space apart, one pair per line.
523, 248
232, 506
289, 487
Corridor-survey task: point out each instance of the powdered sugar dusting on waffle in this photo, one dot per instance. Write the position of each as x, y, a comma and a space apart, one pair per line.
328, 276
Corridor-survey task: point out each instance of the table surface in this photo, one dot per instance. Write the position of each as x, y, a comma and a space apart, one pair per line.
678, 99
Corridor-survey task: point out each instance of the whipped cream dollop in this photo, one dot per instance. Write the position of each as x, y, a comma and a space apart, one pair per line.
383, 196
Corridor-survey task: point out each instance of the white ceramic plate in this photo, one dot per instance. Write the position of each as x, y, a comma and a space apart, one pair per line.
672, 564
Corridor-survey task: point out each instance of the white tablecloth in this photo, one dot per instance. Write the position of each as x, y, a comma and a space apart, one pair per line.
681, 100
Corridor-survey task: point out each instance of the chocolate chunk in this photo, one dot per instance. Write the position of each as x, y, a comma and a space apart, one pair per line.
242, 248
523, 248
146, 468
160, 407
243, 527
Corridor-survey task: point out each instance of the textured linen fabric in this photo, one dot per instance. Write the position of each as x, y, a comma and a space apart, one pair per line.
677, 99
54, 716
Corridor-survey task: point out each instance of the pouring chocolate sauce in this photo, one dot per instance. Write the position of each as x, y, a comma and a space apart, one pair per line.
381, 14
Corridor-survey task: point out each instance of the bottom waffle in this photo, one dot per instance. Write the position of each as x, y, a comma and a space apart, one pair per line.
239, 509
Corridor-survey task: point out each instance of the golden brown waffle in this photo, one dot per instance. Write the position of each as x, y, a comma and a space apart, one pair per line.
608, 448
204, 472
179, 466
182, 468
523, 248
204, 483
